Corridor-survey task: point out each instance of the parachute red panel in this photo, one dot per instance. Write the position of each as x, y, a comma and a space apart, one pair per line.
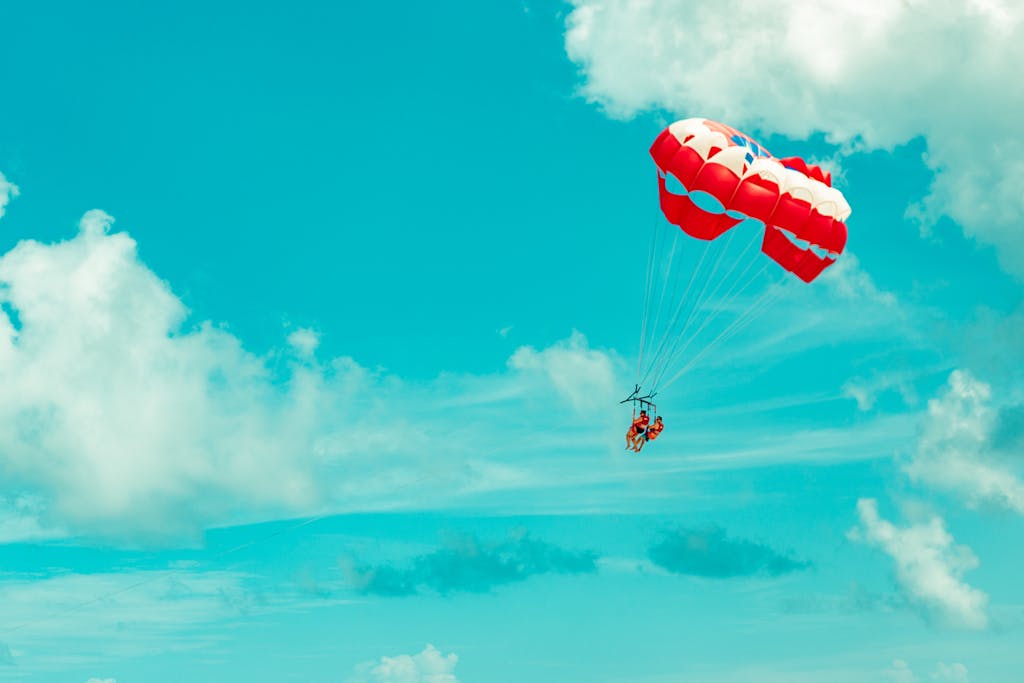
804, 216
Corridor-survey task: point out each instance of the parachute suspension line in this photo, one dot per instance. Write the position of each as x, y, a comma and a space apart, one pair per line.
702, 303
764, 303
666, 279
769, 297
734, 292
647, 297
665, 359
675, 316
740, 283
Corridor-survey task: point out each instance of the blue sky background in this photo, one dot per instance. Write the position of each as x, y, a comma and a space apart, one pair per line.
316, 321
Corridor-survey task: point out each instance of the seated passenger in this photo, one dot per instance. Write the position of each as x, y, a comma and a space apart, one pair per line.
637, 430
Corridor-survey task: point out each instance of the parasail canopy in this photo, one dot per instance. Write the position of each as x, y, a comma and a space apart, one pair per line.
804, 216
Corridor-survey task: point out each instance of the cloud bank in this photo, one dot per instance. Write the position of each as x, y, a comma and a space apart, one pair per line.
871, 75
467, 564
929, 565
710, 553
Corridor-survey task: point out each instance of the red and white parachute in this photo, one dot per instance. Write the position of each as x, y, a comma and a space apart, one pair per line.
715, 182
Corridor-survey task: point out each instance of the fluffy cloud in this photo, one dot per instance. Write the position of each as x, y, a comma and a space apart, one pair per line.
585, 377
955, 450
871, 74
429, 666
929, 565
8, 191
120, 416
467, 564
304, 341
710, 553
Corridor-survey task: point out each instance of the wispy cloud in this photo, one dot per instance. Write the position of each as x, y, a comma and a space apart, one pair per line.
710, 553
86, 614
901, 672
429, 666
865, 391
929, 565
837, 71
8, 191
850, 282
467, 564
844, 304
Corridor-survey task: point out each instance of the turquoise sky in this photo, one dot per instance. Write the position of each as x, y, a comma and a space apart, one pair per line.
316, 319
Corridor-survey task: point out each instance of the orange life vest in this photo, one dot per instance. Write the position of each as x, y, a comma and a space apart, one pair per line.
639, 425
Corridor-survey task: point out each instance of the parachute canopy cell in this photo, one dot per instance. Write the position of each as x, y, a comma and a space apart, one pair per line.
804, 216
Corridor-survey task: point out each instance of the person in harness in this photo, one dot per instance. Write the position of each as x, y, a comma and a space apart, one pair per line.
636, 432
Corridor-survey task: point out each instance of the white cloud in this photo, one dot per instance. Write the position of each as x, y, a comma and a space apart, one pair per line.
954, 673
929, 565
585, 377
101, 680
118, 416
866, 390
899, 672
850, 282
304, 341
870, 74
20, 520
8, 191
953, 452
429, 666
